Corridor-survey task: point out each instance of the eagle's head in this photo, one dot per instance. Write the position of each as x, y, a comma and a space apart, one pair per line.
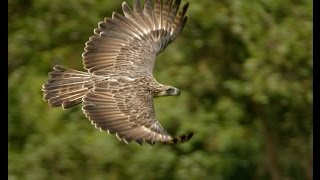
168, 91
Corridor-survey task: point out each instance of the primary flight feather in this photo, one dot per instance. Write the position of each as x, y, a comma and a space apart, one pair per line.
117, 91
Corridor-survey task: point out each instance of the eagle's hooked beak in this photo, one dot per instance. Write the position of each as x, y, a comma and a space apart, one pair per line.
178, 92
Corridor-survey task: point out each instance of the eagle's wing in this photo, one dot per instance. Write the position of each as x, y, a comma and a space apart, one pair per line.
130, 43
125, 46
125, 109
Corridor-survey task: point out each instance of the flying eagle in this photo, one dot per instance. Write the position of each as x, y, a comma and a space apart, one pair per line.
117, 91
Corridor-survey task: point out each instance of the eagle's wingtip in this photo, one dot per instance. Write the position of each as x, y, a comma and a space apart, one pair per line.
183, 138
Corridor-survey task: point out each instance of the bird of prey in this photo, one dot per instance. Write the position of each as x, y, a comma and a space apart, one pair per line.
117, 91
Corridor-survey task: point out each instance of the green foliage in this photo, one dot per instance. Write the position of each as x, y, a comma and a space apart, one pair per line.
244, 69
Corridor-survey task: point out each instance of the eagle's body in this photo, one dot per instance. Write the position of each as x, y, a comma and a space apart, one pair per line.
117, 91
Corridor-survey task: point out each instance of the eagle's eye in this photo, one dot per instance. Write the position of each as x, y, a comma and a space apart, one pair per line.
170, 90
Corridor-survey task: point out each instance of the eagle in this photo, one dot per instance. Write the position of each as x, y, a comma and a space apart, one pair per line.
118, 88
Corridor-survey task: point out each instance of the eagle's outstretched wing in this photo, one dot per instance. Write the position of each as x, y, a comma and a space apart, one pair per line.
130, 43
125, 47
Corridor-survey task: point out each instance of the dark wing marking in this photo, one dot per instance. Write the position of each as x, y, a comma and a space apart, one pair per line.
124, 109
131, 42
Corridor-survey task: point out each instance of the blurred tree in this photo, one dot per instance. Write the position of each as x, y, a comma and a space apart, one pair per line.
245, 71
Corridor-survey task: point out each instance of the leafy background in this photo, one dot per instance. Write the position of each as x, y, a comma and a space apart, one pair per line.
245, 71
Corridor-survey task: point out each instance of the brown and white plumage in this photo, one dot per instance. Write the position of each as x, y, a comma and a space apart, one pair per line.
117, 92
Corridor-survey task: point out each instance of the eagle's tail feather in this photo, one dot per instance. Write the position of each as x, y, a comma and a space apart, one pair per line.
66, 87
